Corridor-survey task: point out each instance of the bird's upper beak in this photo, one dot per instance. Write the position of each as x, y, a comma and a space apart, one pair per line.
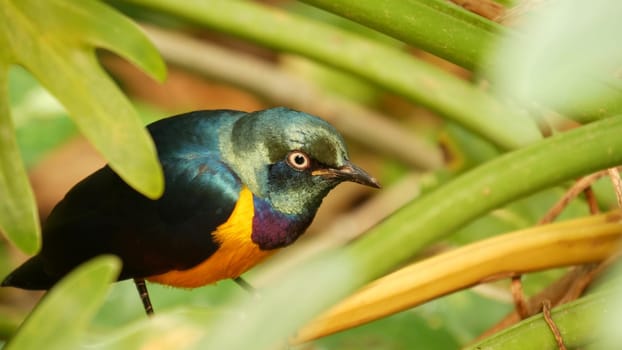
349, 172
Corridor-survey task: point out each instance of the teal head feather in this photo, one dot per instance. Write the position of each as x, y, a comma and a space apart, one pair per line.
258, 147
290, 160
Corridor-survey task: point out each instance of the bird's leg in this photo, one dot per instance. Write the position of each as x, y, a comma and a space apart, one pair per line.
245, 285
144, 295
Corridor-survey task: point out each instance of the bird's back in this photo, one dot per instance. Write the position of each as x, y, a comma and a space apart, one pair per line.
237, 186
103, 215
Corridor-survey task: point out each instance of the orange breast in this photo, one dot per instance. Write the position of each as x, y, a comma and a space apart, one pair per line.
237, 252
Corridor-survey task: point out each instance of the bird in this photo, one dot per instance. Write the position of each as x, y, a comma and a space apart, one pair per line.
239, 186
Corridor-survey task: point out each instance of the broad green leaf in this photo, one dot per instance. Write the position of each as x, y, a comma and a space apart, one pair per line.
61, 318
56, 40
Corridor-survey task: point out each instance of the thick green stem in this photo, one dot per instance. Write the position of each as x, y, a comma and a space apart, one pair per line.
384, 65
507, 178
436, 26
574, 320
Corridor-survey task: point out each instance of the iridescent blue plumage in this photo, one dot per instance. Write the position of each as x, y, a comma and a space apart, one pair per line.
236, 185
273, 229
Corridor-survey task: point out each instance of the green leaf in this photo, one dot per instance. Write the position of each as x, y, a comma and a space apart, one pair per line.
56, 40
18, 211
167, 330
61, 318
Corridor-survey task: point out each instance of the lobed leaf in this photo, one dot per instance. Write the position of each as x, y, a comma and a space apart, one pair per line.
56, 40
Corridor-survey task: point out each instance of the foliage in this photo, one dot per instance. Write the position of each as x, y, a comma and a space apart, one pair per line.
56, 41
73, 301
503, 174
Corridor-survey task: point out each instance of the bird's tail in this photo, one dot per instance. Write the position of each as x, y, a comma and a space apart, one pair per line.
30, 275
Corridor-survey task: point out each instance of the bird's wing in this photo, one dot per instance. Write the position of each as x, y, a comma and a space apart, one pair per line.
102, 215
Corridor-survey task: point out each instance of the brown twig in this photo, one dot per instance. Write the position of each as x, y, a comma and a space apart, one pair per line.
585, 279
581, 186
485, 8
558, 292
546, 312
572, 193
614, 175
572, 285
520, 304
591, 200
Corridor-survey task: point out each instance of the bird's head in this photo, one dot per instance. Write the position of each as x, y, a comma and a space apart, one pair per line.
290, 158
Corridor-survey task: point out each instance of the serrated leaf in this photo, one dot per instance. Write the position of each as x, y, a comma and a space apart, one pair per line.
56, 40
60, 319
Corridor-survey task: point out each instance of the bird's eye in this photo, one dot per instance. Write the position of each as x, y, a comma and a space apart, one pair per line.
298, 160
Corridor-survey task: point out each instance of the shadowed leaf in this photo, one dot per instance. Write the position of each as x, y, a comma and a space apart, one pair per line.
62, 316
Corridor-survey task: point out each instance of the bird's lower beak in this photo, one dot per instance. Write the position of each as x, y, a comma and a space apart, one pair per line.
349, 172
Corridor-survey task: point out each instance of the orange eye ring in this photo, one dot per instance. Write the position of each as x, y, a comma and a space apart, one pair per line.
298, 160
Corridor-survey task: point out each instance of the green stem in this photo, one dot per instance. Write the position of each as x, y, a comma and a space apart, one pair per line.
507, 178
386, 66
436, 26
575, 321
268, 80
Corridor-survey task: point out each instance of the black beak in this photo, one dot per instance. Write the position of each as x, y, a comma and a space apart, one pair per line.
349, 172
